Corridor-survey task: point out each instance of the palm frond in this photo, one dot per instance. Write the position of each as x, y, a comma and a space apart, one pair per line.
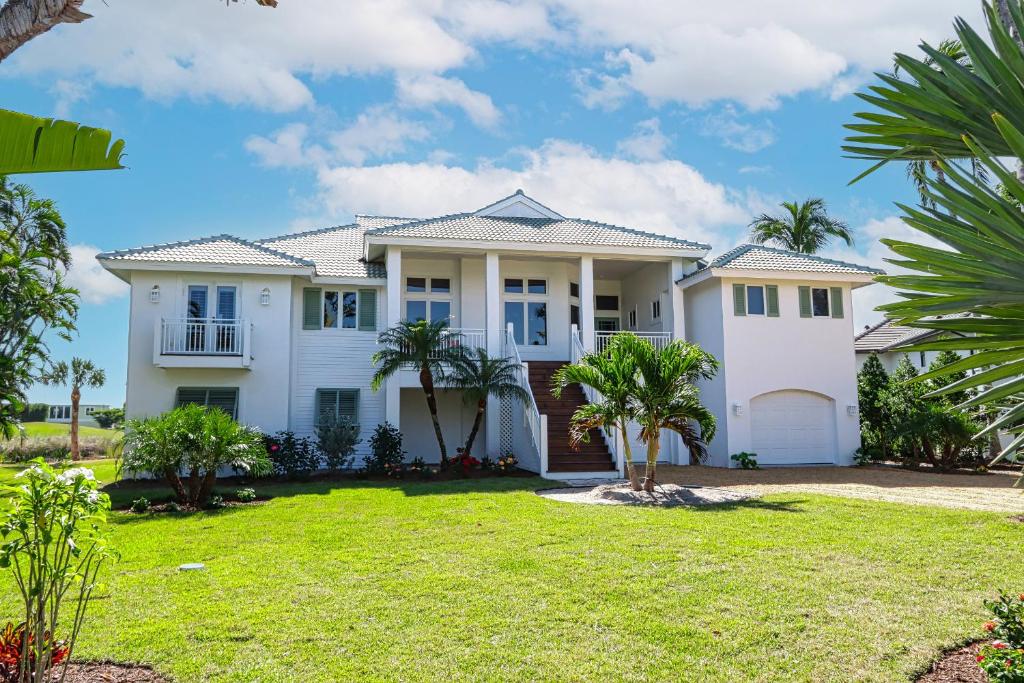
33, 144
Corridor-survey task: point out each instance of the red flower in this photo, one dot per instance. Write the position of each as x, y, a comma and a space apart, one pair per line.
1021, 597
989, 626
999, 646
980, 658
274, 448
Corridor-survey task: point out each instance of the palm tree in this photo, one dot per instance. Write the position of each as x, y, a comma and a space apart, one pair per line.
480, 376
666, 397
429, 347
83, 373
613, 375
806, 227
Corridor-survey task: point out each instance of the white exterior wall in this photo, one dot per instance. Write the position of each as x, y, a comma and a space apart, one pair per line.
764, 354
890, 359
640, 289
456, 419
705, 326
262, 390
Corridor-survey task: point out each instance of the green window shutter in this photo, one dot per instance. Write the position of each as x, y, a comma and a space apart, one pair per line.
348, 404
368, 310
326, 405
187, 396
225, 398
312, 310
805, 302
836, 301
739, 299
772, 295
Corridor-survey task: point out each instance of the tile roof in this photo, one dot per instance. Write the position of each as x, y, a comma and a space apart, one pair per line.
758, 257
576, 231
337, 251
369, 222
887, 335
218, 249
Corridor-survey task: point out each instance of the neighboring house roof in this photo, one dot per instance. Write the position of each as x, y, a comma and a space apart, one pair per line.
888, 336
758, 257
218, 249
337, 251
574, 231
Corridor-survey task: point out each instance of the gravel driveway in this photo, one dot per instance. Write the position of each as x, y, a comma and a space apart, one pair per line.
991, 492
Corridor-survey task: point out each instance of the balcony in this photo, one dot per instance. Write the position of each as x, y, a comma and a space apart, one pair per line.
659, 339
202, 343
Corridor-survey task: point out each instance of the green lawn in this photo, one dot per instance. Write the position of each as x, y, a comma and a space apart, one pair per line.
483, 580
41, 429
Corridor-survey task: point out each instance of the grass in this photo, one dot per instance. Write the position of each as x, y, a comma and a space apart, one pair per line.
44, 429
483, 580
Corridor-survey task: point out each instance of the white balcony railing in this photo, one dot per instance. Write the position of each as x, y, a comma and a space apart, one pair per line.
659, 339
202, 337
470, 338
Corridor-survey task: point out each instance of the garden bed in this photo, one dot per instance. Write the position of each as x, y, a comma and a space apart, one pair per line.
956, 666
110, 672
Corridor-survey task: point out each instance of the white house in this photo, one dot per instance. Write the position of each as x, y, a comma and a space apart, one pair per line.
61, 413
280, 330
890, 343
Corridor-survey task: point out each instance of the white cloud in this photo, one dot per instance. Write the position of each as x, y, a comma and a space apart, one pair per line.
285, 148
93, 282
647, 143
736, 134
427, 90
665, 196
755, 170
67, 93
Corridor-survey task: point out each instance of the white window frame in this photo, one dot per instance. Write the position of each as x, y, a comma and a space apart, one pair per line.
828, 301
764, 300
427, 296
211, 290
656, 309
526, 298
631, 319
341, 301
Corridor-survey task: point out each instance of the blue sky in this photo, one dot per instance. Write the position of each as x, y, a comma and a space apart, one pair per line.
674, 117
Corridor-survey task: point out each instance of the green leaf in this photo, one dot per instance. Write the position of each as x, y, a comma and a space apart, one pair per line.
33, 144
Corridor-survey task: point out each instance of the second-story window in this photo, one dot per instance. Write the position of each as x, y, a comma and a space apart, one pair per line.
428, 298
341, 309
526, 309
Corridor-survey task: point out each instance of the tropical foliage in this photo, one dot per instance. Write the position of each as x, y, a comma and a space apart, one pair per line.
81, 373
431, 349
480, 376
33, 295
33, 144
805, 227
336, 439
948, 110
195, 440
872, 380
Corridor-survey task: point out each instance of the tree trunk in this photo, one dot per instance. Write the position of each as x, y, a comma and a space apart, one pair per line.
194, 486
427, 382
634, 480
176, 485
207, 488
76, 396
481, 408
652, 462
23, 20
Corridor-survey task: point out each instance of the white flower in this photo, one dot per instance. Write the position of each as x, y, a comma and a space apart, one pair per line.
71, 475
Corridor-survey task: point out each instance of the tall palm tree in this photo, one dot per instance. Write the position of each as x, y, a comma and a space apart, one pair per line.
805, 227
82, 373
480, 376
613, 375
666, 397
429, 347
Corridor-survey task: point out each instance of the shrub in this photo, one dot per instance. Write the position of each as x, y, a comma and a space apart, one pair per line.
1003, 660
337, 441
109, 418
506, 463
872, 380
13, 650
52, 448
419, 467
465, 462
195, 440
55, 545
140, 504
246, 495
216, 502
34, 412
937, 434
745, 461
385, 449
292, 456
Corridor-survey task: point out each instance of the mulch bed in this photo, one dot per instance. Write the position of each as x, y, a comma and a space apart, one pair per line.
956, 666
108, 672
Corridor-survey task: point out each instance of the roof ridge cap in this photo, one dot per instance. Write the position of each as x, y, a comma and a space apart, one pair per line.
303, 233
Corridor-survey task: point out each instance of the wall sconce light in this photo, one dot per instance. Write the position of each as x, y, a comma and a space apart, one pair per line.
737, 409
851, 410
154, 294
265, 296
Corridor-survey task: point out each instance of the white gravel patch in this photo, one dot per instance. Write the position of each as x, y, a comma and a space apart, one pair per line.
664, 495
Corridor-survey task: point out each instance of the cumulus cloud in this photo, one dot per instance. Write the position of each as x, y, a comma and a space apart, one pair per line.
647, 143
96, 285
428, 90
666, 196
734, 133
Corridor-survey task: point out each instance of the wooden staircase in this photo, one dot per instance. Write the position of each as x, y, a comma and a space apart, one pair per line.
592, 456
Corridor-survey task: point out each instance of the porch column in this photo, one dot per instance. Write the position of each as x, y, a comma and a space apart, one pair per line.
392, 388
495, 339
675, 300
587, 302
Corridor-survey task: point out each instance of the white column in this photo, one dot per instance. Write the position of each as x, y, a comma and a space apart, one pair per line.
392, 388
587, 301
675, 300
495, 339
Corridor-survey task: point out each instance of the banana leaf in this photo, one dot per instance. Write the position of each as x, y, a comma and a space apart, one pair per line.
33, 144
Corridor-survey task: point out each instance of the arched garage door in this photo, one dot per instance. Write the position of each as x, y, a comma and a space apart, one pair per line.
793, 427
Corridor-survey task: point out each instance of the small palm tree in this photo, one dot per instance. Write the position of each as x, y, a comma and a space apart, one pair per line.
612, 374
480, 376
82, 373
665, 397
806, 228
429, 347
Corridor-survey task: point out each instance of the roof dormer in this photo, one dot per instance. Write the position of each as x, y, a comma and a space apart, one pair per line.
518, 205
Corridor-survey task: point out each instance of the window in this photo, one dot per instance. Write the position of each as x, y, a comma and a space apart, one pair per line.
606, 324
574, 315
755, 300
225, 398
440, 285
537, 323
632, 319
527, 310
422, 302
537, 286
333, 405
330, 309
606, 302
574, 289
819, 302
333, 309
226, 303
340, 306
349, 308
415, 284
197, 301
514, 315
656, 309
513, 285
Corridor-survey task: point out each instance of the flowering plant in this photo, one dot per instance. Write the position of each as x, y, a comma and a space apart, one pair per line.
419, 467
394, 470
466, 461
13, 648
506, 463
1003, 659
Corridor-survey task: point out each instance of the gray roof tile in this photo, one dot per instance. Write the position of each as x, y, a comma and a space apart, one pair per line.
218, 249
337, 251
758, 257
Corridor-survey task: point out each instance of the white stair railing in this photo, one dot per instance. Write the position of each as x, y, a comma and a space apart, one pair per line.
535, 422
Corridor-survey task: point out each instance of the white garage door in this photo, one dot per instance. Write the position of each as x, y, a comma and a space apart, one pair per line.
793, 428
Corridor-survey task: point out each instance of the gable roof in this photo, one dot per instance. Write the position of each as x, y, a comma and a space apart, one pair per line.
337, 251
218, 249
572, 231
759, 257
888, 336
